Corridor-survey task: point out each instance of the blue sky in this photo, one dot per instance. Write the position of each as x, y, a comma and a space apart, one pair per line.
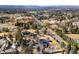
39, 2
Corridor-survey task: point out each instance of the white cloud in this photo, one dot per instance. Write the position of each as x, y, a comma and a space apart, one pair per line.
39, 2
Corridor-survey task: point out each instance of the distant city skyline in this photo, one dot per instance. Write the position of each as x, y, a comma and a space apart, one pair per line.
39, 2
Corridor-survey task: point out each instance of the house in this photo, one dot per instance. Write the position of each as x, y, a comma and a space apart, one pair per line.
73, 37
75, 24
4, 19
5, 33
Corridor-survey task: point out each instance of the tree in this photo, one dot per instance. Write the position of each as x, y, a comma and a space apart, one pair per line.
30, 47
26, 26
62, 44
5, 29
77, 31
10, 36
68, 48
19, 36
75, 49
59, 32
73, 30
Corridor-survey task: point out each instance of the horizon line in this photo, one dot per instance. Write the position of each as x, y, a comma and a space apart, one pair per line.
39, 5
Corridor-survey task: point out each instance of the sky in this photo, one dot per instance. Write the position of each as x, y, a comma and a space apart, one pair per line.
39, 2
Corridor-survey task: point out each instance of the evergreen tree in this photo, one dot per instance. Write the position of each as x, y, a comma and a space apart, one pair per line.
19, 36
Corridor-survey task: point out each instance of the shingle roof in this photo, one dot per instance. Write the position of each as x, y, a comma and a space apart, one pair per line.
73, 36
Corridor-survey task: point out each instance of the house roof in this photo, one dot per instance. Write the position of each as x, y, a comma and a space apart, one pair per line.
4, 33
31, 30
73, 36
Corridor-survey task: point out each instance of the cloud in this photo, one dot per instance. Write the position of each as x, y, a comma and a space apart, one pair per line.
39, 2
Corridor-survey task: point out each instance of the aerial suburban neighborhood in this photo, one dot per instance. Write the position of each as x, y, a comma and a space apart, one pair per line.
39, 30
